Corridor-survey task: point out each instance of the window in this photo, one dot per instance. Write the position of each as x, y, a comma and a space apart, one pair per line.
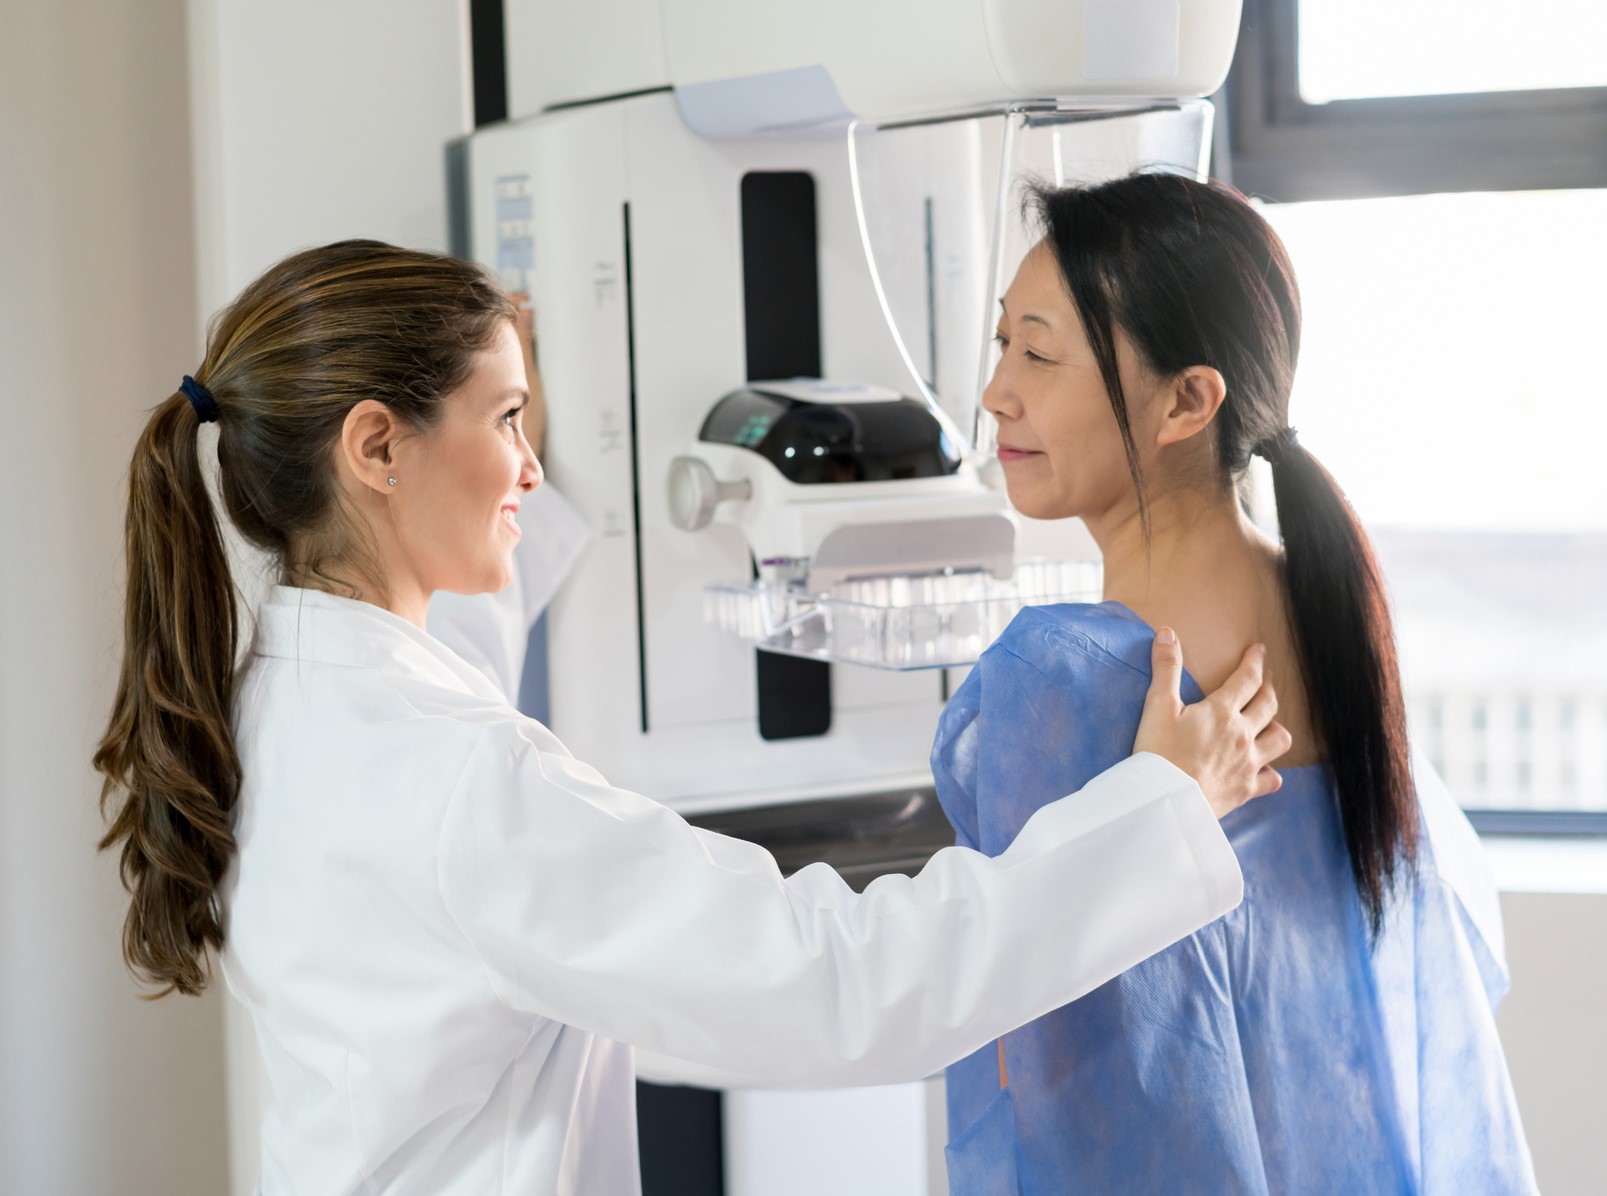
1340, 98
1445, 381
1364, 49
1452, 309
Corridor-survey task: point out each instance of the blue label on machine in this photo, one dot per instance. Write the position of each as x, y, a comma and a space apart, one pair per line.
516, 252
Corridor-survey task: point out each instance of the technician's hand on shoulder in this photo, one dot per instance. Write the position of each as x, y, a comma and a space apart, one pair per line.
1228, 741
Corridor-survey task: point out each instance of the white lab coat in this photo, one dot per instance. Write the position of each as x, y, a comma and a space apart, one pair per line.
445, 927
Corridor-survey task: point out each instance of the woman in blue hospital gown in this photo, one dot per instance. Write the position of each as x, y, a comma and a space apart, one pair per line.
1335, 1033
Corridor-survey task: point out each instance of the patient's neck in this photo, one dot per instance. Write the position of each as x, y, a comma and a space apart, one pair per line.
1195, 538
1216, 578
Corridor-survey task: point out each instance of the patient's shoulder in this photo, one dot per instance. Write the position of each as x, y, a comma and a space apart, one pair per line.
1072, 639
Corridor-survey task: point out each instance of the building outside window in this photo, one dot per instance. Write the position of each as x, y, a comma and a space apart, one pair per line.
1449, 375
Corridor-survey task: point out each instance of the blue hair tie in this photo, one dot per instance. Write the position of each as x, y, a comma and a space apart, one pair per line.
206, 407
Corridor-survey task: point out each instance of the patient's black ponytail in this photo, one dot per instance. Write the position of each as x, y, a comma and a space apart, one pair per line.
1347, 650
1193, 275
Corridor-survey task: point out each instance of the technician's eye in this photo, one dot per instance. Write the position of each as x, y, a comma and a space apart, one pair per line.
509, 416
1001, 340
1031, 356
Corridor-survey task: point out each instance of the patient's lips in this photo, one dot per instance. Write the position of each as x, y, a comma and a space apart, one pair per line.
1009, 453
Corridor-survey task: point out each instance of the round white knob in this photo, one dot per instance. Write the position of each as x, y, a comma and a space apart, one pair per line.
694, 492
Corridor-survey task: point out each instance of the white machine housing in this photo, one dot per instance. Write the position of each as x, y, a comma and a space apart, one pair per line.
775, 64
632, 222
823, 534
622, 219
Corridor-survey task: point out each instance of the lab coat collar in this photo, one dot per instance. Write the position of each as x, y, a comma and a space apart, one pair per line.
311, 625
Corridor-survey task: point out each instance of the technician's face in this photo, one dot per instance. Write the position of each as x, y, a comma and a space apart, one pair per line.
1059, 442
466, 477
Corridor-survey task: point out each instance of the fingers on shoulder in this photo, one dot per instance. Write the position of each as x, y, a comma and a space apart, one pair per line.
1274, 741
1246, 680
1268, 780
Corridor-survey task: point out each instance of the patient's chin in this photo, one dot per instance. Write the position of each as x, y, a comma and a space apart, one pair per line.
1034, 504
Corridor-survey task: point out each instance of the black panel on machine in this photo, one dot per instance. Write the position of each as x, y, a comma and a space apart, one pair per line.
780, 274
781, 316
812, 442
794, 696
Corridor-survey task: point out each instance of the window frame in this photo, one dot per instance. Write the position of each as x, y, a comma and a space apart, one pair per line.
1284, 148
1272, 143
1540, 823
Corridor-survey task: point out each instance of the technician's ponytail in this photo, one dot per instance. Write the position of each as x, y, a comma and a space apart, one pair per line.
317, 333
168, 758
1194, 276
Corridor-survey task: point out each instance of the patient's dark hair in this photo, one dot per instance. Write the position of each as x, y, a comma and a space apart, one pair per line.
1193, 275
285, 362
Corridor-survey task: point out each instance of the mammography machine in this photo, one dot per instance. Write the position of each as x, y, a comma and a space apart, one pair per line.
765, 241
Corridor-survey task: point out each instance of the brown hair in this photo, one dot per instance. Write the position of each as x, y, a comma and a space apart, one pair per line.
316, 334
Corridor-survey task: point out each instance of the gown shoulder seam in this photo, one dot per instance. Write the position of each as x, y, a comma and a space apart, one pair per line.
1078, 640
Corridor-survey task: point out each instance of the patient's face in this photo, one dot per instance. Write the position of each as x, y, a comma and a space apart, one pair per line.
1059, 442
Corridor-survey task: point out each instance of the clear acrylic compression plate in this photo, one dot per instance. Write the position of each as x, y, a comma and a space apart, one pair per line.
905, 622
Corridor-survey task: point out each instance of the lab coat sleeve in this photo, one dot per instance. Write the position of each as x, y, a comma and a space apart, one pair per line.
492, 631
604, 910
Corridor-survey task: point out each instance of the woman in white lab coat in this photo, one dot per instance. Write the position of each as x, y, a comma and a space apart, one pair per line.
444, 926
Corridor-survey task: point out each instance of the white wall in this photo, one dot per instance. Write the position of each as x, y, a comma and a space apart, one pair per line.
315, 121
1554, 1026
99, 1091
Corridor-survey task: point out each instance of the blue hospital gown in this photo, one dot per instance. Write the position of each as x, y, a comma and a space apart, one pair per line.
1276, 1050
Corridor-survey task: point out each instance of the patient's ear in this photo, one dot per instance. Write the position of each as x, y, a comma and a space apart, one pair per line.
1191, 399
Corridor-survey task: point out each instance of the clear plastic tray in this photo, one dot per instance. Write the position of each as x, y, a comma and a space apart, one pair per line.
921, 622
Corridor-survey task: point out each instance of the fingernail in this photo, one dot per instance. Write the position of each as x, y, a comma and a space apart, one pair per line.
1166, 636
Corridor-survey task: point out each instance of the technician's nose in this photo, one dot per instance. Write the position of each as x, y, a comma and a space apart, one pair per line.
531, 474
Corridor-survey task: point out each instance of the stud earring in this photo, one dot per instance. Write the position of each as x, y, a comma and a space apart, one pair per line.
390, 481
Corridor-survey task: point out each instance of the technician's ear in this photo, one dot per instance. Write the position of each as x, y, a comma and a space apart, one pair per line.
368, 441
1193, 398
